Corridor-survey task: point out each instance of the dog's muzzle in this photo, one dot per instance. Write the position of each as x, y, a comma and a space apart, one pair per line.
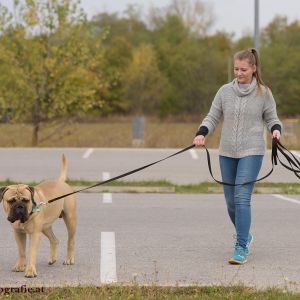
18, 212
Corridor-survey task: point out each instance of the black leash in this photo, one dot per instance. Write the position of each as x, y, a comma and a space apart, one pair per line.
276, 145
122, 175
291, 159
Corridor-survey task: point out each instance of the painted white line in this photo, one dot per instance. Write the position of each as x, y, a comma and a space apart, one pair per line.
107, 198
108, 266
105, 176
286, 198
296, 153
87, 153
193, 153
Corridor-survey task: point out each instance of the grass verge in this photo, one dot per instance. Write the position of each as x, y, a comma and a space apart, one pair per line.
203, 187
154, 292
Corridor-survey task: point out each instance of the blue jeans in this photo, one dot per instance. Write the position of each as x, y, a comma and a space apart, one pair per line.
238, 198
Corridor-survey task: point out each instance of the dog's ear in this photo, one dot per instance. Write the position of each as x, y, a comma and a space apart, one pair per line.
31, 190
2, 191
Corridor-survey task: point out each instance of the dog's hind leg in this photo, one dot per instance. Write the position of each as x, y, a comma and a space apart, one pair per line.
48, 232
70, 221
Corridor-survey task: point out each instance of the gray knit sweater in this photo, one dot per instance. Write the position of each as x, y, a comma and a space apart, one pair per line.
244, 111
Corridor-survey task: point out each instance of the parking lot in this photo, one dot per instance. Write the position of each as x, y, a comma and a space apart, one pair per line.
166, 239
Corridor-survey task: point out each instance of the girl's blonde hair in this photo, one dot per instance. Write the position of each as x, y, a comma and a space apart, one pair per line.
251, 55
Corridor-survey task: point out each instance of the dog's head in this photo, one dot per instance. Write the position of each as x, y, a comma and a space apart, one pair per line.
17, 201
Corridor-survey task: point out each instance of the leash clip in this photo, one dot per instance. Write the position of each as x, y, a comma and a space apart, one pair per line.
36, 209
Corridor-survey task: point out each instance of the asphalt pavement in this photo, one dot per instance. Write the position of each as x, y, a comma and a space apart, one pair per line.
35, 164
166, 239
169, 239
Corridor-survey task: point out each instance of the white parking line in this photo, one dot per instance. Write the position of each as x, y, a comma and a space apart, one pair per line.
286, 198
107, 198
108, 266
193, 153
87, 153
105, 176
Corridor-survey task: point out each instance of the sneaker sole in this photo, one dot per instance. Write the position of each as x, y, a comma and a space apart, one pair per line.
236, 262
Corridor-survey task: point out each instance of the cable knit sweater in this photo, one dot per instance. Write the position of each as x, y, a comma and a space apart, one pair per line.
244, 111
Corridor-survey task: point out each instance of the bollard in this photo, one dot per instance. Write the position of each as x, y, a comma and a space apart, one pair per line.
138, 128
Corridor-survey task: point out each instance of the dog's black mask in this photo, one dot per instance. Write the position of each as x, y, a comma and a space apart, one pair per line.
18, 212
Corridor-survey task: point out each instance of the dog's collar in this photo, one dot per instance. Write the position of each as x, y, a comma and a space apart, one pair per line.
33, 202
35, 207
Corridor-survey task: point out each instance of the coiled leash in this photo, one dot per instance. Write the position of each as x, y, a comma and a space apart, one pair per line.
276, 146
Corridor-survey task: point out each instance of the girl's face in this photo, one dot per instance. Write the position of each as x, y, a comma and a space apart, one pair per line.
243, 71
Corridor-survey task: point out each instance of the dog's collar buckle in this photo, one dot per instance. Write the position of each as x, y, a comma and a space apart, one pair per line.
36, 209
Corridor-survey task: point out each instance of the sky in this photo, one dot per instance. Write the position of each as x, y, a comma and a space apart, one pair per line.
232, 16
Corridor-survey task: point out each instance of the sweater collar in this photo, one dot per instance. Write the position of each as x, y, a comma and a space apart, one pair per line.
244, 90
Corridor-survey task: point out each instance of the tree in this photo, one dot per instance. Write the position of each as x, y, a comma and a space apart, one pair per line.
129, 26
194, 65
281, 63
49, 64
144, 85
196, 15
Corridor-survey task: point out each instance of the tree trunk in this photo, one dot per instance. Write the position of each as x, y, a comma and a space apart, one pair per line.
35, 134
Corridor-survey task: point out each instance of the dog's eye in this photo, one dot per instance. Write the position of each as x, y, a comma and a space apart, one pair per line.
12, 201
25, 200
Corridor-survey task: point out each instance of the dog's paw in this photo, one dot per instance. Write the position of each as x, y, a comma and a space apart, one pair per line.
30, 272
69, 261
19, 268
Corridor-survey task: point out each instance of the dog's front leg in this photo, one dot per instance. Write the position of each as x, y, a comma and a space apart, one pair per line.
20, 238
34, 243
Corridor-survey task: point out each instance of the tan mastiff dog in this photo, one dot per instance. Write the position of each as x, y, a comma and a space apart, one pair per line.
24, 207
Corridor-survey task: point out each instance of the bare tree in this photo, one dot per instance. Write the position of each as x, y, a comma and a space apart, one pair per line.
197, 15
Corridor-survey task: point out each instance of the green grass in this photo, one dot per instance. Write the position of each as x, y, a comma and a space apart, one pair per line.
204, 187
155, 292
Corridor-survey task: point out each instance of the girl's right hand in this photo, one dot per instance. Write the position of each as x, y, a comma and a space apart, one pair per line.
199, 140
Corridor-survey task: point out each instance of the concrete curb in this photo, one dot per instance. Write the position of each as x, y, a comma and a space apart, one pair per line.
257, 190
165, 189
128, 189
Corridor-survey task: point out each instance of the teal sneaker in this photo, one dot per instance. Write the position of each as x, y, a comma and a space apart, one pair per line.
239, 256
249, 242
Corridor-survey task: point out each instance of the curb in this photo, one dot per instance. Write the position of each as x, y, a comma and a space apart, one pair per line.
128, 189
257, 190
171, 189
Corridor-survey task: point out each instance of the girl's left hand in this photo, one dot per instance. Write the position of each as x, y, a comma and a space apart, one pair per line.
276, 134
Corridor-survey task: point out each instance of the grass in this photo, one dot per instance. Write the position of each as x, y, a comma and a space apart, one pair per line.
102, 134
155, 292
117, 132
203, 187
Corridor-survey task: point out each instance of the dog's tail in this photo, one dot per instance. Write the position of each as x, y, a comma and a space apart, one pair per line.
63, 170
